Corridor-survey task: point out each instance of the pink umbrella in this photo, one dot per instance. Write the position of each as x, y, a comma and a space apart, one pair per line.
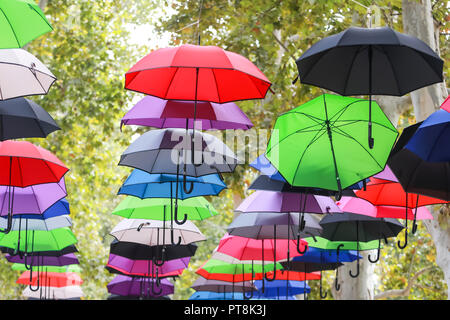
446, 104
155, 112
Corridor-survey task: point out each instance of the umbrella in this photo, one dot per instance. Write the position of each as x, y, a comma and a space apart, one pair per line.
374, 61
34, 199
21, 22
276, 288
38, 224
203, 73
63, 293
168, 151
145, 185
390, 193
148, 232
212, 295
52, 279
60, 261
203, 284
23, 118
138, 251
117, 297
69, 268
53, 252
155, 112
312, 142
446, 104
22, 74
59, 208
138, 286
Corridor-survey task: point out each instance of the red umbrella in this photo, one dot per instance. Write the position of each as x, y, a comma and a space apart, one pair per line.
389, 193
23, 164
197, 73
294, 275
52, 279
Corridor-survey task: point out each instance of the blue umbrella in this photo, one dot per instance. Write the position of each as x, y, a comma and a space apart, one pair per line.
210, 295
327, 256
431, 140
143, 185
279, 288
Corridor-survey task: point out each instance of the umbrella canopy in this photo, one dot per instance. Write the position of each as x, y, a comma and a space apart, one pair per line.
138, 251
38, 224
52, 279
406, 135
145, 267
280, 288
34, 199
59, 208
173, 274
44, 268
267, 201
302, 266
63, 293
265, 249
159, 208
260, 225
202, 284
22, 74
446, 104
364, 207
324, 256
138, 287
143, 185
155, 232
171, 151
313, 141
155, 112
60, 261
325, 244
244, 270
191, 72
23, 118
21, 22
375, 61
53, 252
34, 241
24, 164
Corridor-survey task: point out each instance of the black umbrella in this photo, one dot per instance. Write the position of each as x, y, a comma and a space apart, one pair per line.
264, 182
117, 297
137, 251
370, 61
360, 228
64, 251
23, 118
403, 139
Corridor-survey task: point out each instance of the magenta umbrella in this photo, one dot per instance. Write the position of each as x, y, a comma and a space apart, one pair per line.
155, 112
34, 199
139, 287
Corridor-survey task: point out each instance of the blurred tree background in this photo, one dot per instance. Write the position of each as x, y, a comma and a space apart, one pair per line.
89, 51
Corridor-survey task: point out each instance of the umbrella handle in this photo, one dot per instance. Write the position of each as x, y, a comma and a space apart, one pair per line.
175, 218
298, 246
171, 239
357, 271
31, 280
243, 285
403, 246
322, 296
337, 286
185, 188
10, 205
414, 227
163, 258
378, 253
156, 279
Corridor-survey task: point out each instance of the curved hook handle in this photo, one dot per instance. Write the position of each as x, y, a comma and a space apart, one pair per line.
185, 188
172, 237
323, 296
403, 246
175, 218
243, 285
274, 273
298, 246
31, 281
378, 253
357, 271
156, 279
163, 258
337, 286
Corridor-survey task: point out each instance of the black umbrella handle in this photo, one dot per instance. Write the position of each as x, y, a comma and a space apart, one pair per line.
10, 204
378, 253
243, 284
298, 246
172, 239
322, 296
414, 227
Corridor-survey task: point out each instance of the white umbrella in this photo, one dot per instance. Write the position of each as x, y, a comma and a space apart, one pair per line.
22, 74
68, 292
146, 232
38, 224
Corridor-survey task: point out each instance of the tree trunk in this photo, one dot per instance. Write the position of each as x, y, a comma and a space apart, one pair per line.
418, 21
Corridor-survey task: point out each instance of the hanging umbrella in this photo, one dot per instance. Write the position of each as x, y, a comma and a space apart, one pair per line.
60, 261
34, 199
23, 118
138, 287
203, 73
142, 267
364, 207
117, 297
159, 208
55, 293
149, 232
446, 104
21, 22
138, 251
38, 224
277, 289
390, 193
59, 208
69, 268
170, 151
145, 185
155, 112
211, 295
53, 252
260, 225
22, 74
374, 61
56, 279
203, 284
313, 141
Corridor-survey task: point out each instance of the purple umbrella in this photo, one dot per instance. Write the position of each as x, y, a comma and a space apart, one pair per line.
386, 174
155, 112
139, 287
34, 199
60, 261
143, 267
269, 201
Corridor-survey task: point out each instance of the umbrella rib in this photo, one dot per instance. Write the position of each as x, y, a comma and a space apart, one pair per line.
393, 70
350, 69
215, 82
170, 82
12, 29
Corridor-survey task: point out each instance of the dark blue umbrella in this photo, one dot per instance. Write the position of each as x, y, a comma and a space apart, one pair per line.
143, 185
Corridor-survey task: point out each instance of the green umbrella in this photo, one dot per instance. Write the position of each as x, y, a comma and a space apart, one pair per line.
37, 240
323, 143
197, 208
62, 269
21, 21
220, 266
